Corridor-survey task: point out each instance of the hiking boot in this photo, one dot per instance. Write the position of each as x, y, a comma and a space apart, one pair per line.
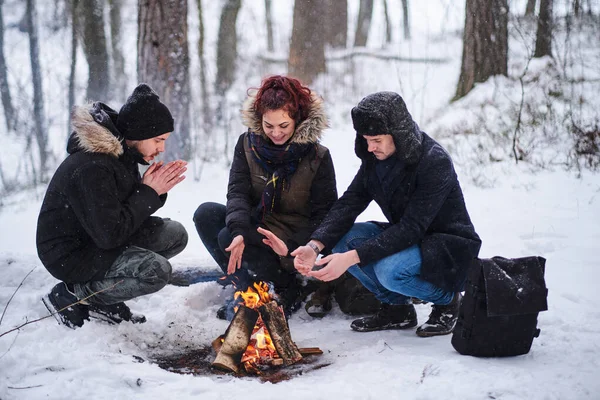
319, 305
222, 312
442, 319
114, 313
65, 307
389, 316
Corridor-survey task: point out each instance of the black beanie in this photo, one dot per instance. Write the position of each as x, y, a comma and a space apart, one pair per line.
143, 116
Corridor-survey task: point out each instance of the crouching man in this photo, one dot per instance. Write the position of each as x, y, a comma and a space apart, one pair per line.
95, 231
428, 243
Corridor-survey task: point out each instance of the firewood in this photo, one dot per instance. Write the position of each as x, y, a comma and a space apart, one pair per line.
277, 361
276, 324
237, 337
307, 351
217, 343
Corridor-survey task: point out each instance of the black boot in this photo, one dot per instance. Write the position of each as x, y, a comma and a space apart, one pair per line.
61, 302
442, 319
319, 304
224, 312
389, 316
114, 313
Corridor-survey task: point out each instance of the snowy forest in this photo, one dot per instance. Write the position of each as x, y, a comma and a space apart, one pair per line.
508, 87
202, 57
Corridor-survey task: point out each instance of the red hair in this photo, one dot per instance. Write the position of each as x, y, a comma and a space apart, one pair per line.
281, 92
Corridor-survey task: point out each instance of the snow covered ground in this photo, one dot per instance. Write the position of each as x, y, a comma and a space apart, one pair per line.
552, 214
519, 212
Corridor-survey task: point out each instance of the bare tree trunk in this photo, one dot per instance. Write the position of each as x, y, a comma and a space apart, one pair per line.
269, 22
388, 23
485, 43
530, 8
307, 46
4, 88
227, 46
406, 17
38, 98
337, 23
60, 17
120, 79
74, 28
163, 63
207, 120
543, 43
576, 8
96, 52
363, 24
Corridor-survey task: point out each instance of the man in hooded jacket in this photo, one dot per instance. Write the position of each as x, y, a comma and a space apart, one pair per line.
95, 231
428, 243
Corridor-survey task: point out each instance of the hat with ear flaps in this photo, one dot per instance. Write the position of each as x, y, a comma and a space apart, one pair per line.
143, 116
385, 113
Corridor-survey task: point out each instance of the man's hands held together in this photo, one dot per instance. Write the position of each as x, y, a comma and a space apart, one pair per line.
163, 177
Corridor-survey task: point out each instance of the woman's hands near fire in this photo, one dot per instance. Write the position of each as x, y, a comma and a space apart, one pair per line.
273, 241
236, 248
335, 265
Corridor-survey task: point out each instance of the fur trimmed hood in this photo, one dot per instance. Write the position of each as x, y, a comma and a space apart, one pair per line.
94, 130
308, 131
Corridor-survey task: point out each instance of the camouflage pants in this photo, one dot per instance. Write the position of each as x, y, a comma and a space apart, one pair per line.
143, 267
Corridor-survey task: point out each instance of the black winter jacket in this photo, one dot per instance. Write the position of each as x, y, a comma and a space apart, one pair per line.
311, 193
422, 201
95, 201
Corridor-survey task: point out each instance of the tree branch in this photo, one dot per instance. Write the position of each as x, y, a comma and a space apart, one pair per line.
13, 295
64, 308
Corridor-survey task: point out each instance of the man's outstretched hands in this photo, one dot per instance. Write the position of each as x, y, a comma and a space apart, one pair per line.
335, 265
163, 177
304, 258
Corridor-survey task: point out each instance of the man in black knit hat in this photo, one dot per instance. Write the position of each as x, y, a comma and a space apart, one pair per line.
95, 231
428, 243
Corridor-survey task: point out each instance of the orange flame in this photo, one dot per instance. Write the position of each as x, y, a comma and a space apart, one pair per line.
260, 350
255, 296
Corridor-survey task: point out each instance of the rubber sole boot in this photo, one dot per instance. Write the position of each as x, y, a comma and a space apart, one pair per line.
64, 307
114, 313
442, 319
389, 316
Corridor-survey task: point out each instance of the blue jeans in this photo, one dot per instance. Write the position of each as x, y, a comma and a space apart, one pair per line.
393, 279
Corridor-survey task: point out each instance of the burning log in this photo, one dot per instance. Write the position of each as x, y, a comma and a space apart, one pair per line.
276, 324
236, 340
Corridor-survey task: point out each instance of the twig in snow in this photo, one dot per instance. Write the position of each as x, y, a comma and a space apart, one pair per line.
429, 369
24, 387
64, 308
11, 345
386, 345
13, 295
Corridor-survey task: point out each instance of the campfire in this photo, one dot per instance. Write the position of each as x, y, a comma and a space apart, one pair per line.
258, 336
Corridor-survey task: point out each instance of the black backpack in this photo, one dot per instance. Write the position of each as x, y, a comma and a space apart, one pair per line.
498, 314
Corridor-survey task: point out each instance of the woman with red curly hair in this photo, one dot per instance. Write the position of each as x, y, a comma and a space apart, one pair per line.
281, 186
